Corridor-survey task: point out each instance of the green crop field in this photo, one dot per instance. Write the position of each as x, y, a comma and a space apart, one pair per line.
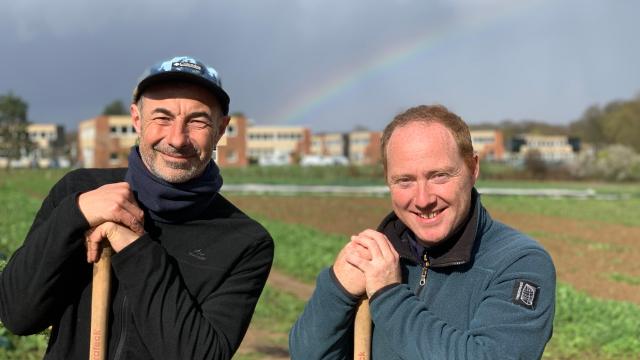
586, 326
21, 193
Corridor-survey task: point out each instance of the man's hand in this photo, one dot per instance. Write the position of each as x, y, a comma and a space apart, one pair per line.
349, 276
112, 202
118, 236
113, 213
382, 267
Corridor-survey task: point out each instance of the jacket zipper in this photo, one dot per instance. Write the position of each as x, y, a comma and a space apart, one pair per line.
425, 270
123, 330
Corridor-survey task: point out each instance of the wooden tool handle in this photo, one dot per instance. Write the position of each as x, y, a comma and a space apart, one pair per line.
362, 332
100, 306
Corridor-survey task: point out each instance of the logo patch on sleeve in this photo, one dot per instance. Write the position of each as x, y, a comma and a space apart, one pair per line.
525, 293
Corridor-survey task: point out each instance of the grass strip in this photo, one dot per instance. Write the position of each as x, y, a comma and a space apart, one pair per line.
36, 183
277, 310
302, 251
16, 215
305, 175
622, 212
623, 278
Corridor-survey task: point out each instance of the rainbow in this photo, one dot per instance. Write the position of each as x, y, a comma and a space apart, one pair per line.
301, 106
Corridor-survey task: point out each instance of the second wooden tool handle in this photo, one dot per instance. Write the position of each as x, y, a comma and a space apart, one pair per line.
362, 332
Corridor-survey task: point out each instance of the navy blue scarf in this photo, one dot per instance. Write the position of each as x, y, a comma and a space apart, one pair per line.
172, 203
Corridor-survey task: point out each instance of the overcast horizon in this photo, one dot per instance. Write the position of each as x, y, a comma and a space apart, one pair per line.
330, 66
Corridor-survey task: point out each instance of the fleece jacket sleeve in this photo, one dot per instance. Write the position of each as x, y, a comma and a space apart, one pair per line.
325, 328
44, 271
499, 328
170, 322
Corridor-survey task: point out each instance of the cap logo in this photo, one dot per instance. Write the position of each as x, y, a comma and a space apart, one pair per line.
187, 65
187, 68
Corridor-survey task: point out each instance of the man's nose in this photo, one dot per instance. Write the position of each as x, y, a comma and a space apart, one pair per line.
178, 134
424, 195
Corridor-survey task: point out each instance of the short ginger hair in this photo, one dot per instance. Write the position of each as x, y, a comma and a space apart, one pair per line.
432, 114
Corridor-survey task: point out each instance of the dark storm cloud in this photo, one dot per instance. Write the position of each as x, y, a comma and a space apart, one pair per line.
533, 60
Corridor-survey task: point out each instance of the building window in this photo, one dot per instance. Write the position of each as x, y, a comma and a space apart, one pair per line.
232, 156
113, 158
261, 137
113, 129
231, 131
88, 133
124, 129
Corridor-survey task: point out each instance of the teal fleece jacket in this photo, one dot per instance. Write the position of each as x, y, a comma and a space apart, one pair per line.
489, 294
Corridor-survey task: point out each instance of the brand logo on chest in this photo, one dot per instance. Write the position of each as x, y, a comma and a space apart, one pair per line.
198, 254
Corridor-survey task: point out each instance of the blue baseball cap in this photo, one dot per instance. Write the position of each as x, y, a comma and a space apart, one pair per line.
184, 68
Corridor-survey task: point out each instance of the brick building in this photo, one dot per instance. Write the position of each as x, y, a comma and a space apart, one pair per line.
105, 141
364, 147
49, 145
277, 145
550, 148
232, 147
488, 144
330, 144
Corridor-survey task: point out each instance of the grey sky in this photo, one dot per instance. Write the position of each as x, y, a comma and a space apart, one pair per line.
330, 65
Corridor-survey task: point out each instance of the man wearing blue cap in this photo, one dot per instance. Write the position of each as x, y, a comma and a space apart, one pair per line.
188, 265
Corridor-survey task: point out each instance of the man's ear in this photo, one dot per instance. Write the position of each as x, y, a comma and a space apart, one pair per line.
136, 118
222, 127
476, 167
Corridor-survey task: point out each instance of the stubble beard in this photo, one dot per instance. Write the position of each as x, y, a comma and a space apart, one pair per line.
182, 171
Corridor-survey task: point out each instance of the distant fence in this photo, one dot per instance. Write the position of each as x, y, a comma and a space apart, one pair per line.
383, 190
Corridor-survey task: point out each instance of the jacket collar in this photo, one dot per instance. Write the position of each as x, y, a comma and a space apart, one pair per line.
456, 250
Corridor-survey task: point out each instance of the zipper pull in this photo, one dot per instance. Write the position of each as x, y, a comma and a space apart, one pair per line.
425, 268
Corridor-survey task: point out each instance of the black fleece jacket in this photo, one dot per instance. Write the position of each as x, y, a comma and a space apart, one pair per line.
181, 291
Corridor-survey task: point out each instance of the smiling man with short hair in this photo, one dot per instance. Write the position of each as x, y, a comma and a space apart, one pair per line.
444, 280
